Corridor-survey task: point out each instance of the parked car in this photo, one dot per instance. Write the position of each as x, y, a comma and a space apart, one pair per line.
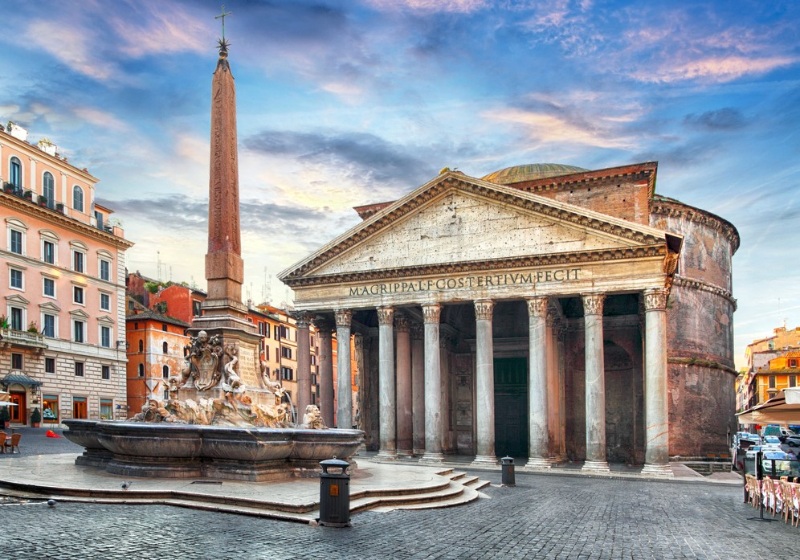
771, 443
792, 441
775, 430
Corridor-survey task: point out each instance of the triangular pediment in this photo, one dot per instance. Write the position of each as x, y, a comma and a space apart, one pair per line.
457, 220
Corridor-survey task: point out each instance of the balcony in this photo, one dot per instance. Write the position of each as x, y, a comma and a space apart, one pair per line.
22, 339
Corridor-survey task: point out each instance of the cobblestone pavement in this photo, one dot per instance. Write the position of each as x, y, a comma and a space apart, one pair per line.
542, 517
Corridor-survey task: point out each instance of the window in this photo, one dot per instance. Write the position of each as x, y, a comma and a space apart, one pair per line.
49, 287
79, 369
77, 294
105, 337
105, 372
106, 408
105, 270
140, 370
78, 261
263, 328
98, 217
16, 361
50, 408
77, 198
286, 353
792, 362
16, 241
48, 189
196, 308
105, 302
16, 172
165, 372
48, 252
771, 381
78, 331
49, 325
17, 318
165, 347
792, 381
164, 327
287, 374
141, 346
266, 353
49, 365
15, 280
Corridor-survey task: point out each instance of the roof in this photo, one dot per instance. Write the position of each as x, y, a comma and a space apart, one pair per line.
20, 378
531, 172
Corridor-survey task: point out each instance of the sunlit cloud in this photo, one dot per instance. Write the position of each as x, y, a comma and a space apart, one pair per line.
70, 45
100, 118
715, 69
430, 6
166, 28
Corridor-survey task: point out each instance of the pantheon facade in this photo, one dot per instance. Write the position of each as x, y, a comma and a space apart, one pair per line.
543, 311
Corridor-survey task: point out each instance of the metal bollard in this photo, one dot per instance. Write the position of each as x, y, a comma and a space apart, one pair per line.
507, 470
334, 494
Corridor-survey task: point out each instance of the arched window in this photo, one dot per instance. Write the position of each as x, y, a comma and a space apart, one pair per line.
77, 198
48, 189
165, 371
165, 348
141, 370
141, 346
16, 172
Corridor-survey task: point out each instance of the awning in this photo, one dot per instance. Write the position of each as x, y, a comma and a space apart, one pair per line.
19, 378
784, 408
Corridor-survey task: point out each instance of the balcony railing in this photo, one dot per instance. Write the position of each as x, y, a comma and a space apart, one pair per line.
11, 337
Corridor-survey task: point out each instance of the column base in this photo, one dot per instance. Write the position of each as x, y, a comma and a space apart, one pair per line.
483, 461
537, 463
658, 469
431, 459
386, 455
419, 452
600, 467
404, 453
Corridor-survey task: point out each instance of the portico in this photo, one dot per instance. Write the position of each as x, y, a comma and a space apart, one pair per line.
497, 321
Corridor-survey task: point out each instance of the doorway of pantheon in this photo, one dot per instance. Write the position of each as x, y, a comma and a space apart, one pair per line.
511, 407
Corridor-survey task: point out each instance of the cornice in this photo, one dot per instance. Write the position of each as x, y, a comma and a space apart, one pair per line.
52, 216
498, 193
525, 262
702, 286
699, 362
640, 172
676, 209
33, 151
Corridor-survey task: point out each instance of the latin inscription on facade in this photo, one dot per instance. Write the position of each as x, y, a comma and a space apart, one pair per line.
467, 282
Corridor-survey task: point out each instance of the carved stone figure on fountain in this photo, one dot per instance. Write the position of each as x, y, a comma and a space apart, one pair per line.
203, 366
313, 418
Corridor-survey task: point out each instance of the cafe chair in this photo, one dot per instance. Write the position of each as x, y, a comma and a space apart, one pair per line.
3, 442
13, 443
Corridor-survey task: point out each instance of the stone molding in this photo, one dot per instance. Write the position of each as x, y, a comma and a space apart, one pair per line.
699, 362
537, 306
593, 303
483, 309
692, 284
385, 316
432, 313
344, 318
676, 209
302, 319
655, 299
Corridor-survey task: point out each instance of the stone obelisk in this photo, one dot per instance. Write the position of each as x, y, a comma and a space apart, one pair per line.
223, 312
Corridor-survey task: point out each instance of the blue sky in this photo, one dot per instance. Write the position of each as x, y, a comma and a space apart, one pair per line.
352, 102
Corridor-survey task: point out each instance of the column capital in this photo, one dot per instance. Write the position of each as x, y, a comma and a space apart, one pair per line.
593, 303
432, 312
537, 306
385, 315
343, 317
323, 325
417, 331
302, 319
483, 309
655, 299
401, 322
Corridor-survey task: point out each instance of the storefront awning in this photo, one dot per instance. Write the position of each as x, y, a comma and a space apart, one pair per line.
783, 408
19, 378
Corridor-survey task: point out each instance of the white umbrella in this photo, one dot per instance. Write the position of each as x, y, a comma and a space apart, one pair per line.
7, 403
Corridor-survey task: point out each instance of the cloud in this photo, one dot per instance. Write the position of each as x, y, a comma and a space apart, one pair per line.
714, 69
160, 27
727, 118
430, 6
100, 118
72, 46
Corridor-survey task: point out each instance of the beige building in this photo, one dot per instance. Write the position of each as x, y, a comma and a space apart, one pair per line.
62, 331
539, 312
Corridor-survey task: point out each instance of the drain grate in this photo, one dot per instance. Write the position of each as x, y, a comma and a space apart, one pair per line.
206, 482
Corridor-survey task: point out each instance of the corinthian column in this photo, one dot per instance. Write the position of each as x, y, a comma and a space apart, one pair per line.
656, 413
433, 383
386, 384
303, 321
344, 380
403, 349
484, 398
325, 371
595, 384
417, 389
538, 453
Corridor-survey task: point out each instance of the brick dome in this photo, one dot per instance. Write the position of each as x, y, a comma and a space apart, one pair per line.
530, 172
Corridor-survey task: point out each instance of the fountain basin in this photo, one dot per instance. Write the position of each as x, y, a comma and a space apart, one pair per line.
195, 451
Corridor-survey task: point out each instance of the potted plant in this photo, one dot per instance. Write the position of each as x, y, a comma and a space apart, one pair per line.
36, 418
5, 417
28, 195
3, 322
32, 328
42, 200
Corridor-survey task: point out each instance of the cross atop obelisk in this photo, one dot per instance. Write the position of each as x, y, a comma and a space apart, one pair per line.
222, 17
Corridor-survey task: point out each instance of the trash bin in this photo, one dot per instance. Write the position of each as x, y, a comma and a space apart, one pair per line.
507, 471
334, 494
